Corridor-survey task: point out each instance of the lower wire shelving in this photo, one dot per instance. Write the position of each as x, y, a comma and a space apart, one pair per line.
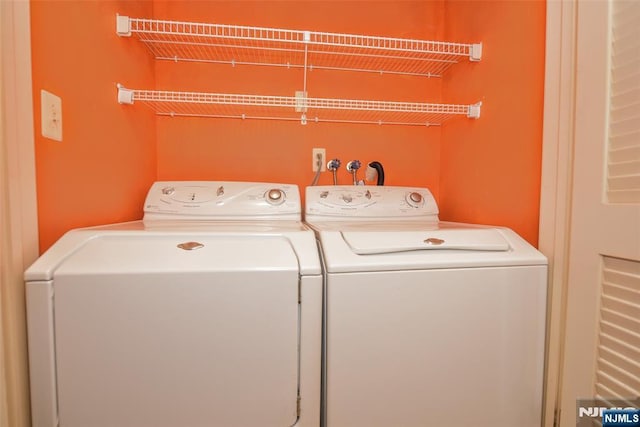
295, 108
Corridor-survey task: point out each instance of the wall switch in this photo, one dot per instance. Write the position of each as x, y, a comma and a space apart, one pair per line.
314, 159
51, 109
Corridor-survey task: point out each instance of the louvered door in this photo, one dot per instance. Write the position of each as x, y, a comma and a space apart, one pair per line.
618, 355
623, 148
602, 340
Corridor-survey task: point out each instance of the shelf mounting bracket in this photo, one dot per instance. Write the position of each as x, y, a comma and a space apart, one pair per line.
475, 53
125, 96
474, 110
123, 26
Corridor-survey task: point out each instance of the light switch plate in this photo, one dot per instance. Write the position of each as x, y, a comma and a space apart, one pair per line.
51, 109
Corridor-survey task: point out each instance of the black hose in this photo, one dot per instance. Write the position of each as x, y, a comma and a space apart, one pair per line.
380, 170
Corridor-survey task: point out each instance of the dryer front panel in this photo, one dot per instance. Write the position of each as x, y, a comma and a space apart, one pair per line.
208, 339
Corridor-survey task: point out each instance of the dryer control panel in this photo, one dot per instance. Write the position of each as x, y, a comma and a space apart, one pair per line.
201, 200
350, 201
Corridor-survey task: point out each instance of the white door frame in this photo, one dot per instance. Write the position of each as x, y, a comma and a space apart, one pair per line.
556, 187
20, 206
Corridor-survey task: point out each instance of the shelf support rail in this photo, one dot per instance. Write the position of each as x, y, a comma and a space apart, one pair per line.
301, 97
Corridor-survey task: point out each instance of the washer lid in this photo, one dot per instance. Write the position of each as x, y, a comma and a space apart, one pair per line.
385, 242
392, 246
156, 254
227, 246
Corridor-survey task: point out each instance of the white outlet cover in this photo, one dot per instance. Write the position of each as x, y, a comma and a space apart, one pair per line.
314, 159
51, 109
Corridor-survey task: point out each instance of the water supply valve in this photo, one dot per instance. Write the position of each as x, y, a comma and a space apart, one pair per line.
353, 167
333, 166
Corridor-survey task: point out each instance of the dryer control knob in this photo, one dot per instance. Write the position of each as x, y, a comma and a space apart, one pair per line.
275, 196
414, 199
168, 191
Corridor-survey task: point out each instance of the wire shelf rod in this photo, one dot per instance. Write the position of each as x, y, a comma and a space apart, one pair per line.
374, 71
297, 66
223, 46
297, 119
299, 51
311, 66
232, 62
228, 116
157, 48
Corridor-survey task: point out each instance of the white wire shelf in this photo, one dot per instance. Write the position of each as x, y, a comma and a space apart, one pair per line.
295, 108
233, 44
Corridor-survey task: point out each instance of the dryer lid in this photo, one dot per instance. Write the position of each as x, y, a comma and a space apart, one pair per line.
386, 242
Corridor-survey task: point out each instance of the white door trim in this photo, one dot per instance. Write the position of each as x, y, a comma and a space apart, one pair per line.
557, 170
19, 202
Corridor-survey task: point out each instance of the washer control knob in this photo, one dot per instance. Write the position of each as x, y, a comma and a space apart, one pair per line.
167, 191
275, 196
414, 199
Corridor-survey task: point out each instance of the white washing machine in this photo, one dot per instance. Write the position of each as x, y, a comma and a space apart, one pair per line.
206, 313
427, 323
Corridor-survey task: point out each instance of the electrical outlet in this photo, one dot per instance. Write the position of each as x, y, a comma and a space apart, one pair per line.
314, 159
51, 109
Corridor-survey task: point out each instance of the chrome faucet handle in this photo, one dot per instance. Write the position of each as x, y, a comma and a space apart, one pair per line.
353, 167
333, 166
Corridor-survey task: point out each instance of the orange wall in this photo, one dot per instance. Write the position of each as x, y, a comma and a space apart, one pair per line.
490, 168
101, 170
482, 171
231, 149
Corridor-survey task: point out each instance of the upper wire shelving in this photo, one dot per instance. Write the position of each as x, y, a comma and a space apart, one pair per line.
235, 44
308, 50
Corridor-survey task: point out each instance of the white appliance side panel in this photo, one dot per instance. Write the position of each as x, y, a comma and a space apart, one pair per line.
310, 350
455, 348
177, 349
42, 376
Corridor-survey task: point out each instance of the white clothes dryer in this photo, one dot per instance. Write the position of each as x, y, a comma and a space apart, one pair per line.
205, 313
427, 323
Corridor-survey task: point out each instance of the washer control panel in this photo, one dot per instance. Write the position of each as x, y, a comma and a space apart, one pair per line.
349, 201
222, 200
